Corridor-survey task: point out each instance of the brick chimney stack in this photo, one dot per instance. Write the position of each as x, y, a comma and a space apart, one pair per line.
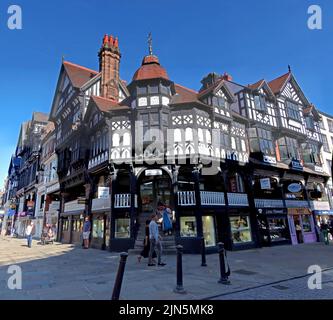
109, 61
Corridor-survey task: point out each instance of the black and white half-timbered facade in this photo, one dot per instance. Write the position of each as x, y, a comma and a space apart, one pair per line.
235, 164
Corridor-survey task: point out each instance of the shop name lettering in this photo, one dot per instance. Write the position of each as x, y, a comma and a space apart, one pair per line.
14, 17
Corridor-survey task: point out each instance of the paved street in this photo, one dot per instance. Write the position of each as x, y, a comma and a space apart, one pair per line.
67, 272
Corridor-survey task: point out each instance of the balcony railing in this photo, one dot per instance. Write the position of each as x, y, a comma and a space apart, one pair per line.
122, 200
74, 206
186, 198
320, 205
269, 203
101, 204
297, 204
98, 160
212, 198
238, 199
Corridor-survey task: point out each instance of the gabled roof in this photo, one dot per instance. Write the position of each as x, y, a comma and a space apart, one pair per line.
278, 84
78, 75
184, 95
312, 110
214, 88
105, 105
261, 84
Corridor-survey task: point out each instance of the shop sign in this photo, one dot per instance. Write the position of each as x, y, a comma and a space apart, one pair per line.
154, 173
274, 211
265, 184
299, 211
295, 188
324, 212
296, 165
319, 169
103, 193
268, 159
82, 201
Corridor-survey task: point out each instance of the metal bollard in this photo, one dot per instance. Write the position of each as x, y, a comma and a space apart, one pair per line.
120, 275
203, 253
180, 287
224, 267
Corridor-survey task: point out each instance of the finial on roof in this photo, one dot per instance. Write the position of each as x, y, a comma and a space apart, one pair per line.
63, 59
150, 43
289, 68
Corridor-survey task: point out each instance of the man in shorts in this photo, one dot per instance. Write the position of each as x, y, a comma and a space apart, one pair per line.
86, 232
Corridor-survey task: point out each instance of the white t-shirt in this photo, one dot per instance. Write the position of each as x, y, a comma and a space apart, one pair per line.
28, 230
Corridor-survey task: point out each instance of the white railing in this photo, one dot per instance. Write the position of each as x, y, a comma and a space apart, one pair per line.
74, 206
186, 198
297, 204
212, 198
268, 203
122, 200
320, 205
101, 204
238, 199
98, 160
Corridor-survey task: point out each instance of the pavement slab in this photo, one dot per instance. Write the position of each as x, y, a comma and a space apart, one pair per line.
66, 272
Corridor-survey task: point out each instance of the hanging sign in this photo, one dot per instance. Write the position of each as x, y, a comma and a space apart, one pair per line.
154, 172
265, 184
103, 193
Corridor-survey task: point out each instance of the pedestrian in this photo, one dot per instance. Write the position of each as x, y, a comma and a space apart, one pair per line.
86, 232
167, 223
146, 245
331, 227
155, 242
324, 229
30, 232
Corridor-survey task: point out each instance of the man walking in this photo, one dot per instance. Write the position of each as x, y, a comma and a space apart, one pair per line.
155, 242
30, 232
86, 232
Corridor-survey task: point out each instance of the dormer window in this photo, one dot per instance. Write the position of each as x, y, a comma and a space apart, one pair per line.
260, 103
165, 90
293, 111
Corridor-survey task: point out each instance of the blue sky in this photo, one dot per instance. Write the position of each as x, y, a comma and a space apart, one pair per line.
248, 39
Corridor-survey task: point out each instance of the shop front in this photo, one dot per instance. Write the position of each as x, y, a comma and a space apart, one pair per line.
77, 229
323, 216
241, 234
274, 227
302, 226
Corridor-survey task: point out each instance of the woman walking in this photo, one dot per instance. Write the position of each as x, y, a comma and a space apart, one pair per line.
146, 244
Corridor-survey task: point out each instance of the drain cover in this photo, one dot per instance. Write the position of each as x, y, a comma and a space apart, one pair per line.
246, 272
280, 287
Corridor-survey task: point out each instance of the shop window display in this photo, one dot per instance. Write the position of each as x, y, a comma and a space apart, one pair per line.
122, 228
98, 228
278, 229
188, 227
208, 225
240, 229
306, 224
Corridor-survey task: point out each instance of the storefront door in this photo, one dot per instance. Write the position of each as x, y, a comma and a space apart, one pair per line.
77, 227
153, 190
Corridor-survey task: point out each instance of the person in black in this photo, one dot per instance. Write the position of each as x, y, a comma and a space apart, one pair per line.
324, 229
146, 244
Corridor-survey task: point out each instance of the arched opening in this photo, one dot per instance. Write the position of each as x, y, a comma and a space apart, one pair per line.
155, 186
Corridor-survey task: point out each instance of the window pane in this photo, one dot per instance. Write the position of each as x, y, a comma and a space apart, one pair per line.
122, 228
240, 229
188, 227
208, 225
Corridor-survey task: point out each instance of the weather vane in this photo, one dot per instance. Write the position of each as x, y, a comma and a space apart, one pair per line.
150, 43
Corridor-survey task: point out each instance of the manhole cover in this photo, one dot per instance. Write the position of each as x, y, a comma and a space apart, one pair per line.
245, 272
280, 287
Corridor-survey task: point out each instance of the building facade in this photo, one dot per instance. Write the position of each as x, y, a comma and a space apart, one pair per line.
239, 164
326, 128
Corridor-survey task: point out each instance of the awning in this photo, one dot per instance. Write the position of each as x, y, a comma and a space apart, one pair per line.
323, 212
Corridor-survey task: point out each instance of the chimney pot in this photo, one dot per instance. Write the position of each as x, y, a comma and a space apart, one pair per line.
227, 77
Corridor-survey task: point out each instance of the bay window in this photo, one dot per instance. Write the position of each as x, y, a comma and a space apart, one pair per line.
288, 148
311, 153
261, 141
260, 103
